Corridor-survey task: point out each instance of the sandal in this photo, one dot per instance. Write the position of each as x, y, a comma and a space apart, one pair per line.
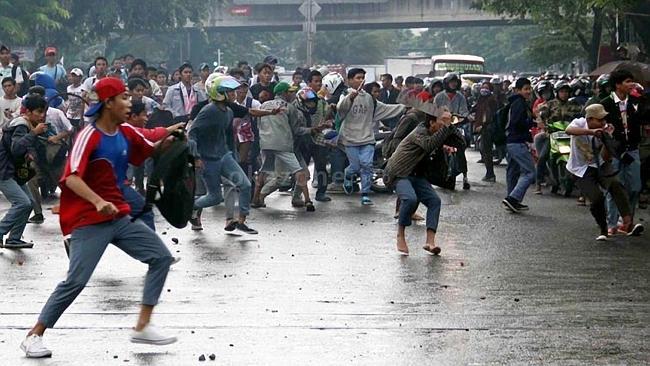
309, 205
433, 251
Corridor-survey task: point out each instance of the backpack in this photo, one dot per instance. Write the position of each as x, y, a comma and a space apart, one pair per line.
501, 125
24, 87
171, 185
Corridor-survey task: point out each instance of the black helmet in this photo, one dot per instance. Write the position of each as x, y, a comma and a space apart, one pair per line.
580, 86
562, 84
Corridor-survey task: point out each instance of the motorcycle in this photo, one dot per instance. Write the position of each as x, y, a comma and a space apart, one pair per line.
560, 143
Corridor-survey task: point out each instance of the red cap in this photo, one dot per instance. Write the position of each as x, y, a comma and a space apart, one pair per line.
50, 51
109, 87
105, 88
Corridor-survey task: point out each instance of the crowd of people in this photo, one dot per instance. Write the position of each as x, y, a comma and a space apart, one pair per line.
85, 137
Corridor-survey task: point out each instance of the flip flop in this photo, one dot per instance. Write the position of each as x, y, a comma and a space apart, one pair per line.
432, 251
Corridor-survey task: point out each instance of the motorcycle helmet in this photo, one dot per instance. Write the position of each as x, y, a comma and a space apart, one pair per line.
332, 81
496, 81
562, 84
448, 78
580, 86
307, 100
603, 80
219, 86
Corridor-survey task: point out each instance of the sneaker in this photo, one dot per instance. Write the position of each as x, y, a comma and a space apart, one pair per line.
509, 203
18, 244
538, 189
309, 205
297, 203
323, 198
348, 187
601, 237
245, 229
34, 348
152, 335
636, 230
335, 188
521, 207
232, 225
491, 179
195, 221
366, 201
36, 219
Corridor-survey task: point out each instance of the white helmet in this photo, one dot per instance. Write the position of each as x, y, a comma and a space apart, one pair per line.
332, 81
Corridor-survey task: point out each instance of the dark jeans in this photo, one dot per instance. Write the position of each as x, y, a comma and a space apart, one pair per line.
338, 162
486, 151
320, 154
543, 148
591, 186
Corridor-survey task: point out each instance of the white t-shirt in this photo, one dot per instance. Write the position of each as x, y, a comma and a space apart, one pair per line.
75, 105
155, 88
13, 105
582, 151
6, 72
59, 121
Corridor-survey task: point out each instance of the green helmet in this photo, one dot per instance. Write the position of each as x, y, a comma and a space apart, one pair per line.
218, 84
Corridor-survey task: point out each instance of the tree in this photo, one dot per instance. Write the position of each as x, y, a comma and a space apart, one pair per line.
20, 21
583, 19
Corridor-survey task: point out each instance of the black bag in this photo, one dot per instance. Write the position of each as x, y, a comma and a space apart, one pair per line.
171, 185
500, 125
435, 169
24, 169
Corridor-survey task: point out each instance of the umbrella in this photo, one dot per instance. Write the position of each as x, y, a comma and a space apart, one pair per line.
640, 70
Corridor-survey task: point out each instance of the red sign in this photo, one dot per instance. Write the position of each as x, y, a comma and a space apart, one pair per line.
243, 10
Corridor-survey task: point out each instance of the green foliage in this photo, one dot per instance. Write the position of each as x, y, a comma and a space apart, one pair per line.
21, 20
560, 20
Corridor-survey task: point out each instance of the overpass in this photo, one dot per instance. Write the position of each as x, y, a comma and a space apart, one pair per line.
283, 15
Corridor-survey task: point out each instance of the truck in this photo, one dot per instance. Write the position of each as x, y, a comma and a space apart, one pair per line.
407, 65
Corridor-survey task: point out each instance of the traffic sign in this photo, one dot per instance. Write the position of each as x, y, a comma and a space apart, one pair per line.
304, 8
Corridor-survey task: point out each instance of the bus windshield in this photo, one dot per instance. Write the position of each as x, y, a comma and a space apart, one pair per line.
461, 67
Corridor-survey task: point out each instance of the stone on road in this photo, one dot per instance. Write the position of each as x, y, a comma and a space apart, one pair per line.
328, 288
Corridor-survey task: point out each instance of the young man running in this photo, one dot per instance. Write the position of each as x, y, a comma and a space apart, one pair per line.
359, 111
95, 213
211, 133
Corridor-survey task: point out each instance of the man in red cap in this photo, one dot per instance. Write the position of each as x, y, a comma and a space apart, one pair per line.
53, 67
95, 213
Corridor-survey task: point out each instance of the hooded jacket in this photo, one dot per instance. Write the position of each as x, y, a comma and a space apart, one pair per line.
16, 141
520, 121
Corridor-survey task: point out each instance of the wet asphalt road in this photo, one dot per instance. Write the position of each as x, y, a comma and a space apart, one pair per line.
328, 288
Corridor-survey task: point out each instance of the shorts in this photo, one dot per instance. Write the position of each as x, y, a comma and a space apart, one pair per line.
280, 162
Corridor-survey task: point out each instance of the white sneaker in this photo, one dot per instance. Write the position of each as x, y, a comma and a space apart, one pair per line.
152, 335
34, 347
601, 238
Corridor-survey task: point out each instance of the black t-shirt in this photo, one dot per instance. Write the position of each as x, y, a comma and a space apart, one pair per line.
238, 111
258, 88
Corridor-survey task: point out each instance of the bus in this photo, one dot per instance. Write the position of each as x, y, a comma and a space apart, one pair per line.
460, 64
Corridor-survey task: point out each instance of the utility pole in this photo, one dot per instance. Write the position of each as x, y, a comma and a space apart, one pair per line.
309, 9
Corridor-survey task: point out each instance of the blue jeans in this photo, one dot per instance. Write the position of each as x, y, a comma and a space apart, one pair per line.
15, 219
337, 165
228, 168
630, 176
136, 202
87, 245
411, 191
520, 173
360, 158
543, 148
